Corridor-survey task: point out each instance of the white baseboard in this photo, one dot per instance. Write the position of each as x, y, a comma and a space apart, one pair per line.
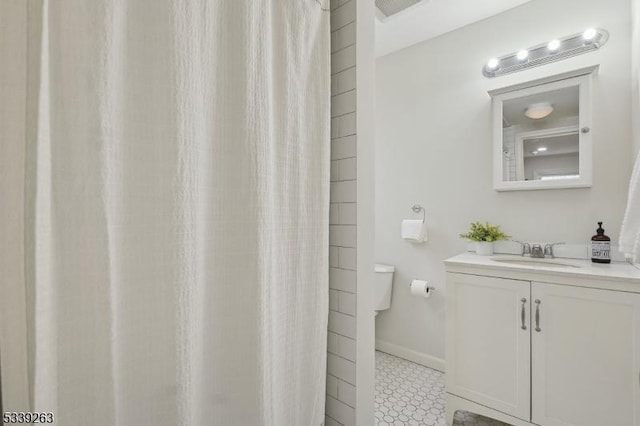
410, 355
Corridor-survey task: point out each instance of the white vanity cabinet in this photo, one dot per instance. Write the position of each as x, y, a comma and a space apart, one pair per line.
488, 353
585, 356
543, 346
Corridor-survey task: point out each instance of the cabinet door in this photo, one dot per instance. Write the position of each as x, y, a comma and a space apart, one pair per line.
586, 362
488, 342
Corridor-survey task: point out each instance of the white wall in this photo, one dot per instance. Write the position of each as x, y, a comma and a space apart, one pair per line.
433, 147
365, 100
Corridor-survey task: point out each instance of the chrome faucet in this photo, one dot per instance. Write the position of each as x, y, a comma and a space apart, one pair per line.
548, 249
526, 247
537, 251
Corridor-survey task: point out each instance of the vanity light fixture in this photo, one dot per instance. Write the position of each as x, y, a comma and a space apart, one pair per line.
542, 149
539, 110
545, 53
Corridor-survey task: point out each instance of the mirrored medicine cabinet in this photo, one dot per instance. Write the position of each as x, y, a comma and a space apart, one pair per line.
542, 133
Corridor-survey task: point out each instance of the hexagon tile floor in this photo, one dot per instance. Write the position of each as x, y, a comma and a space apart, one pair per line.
409, 394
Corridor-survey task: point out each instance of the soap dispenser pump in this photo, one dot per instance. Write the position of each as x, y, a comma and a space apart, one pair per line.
600, 246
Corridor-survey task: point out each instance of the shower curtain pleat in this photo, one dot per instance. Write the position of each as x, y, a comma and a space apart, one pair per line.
13, 335
178, 264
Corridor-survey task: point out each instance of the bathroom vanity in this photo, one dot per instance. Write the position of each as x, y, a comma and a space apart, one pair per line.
549, 342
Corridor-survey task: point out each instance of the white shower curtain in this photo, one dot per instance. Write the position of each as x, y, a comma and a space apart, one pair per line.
630, 231
177, 194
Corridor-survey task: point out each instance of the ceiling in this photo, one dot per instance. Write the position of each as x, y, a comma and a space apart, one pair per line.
433, 18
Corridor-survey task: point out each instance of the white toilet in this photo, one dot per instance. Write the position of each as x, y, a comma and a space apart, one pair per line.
383, 282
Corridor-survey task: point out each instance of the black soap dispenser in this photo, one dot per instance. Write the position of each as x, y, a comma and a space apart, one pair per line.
600, 246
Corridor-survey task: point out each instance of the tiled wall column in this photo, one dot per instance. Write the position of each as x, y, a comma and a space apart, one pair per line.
341, 358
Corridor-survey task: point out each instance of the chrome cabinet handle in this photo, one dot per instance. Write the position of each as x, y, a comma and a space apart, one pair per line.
538, 329
522, 314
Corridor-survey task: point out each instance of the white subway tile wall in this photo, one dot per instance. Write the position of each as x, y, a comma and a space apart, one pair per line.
342, 148
344, 125
341, 343
344, 325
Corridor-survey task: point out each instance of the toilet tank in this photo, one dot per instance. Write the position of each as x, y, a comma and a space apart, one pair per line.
383, 280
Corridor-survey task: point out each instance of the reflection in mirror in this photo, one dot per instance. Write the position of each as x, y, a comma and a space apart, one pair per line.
540, 137
542, 133
551, 158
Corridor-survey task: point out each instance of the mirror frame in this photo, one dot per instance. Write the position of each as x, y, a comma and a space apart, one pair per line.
581, 78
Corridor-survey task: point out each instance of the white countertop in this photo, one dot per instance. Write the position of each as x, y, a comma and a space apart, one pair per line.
583, 269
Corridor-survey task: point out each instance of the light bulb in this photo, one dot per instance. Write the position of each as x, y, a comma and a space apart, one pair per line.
589, 34
493, 63
542, 148
522, 55
553, 45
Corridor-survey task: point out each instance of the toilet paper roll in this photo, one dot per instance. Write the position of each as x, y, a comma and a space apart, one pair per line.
421, 288
414, 230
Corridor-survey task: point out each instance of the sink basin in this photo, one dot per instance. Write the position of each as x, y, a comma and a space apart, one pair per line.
528, 261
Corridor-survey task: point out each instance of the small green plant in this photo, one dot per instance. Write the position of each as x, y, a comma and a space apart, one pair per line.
484, 232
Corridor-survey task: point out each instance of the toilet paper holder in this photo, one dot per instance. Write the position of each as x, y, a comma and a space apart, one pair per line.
417, 208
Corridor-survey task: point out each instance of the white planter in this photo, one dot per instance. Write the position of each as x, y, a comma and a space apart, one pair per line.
484, 248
